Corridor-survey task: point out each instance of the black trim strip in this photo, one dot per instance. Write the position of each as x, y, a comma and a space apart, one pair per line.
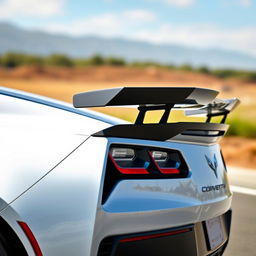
161, 132
181, 243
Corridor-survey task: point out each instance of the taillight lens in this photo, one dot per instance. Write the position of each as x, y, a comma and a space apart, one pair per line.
159, 155
166, 162
128, 166
122, 153
129, 161
139, 162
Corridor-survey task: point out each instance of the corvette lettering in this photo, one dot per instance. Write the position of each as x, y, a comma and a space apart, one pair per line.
213, 188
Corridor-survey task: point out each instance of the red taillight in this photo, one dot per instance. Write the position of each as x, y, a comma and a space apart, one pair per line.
163, 170
126, 170
139, 160
31, 238
169, 171
139, 238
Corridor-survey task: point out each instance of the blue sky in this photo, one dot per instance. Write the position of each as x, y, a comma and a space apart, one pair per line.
223, 24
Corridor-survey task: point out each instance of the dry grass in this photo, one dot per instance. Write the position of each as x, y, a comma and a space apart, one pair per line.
239, 151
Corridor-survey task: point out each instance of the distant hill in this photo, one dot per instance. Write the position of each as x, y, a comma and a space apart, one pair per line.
13, 38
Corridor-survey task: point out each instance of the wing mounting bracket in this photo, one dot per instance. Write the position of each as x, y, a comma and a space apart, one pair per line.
144, 108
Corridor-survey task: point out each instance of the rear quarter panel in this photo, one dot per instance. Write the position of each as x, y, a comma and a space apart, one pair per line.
61, 208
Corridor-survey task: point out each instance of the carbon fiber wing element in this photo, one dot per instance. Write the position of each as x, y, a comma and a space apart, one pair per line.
144, 95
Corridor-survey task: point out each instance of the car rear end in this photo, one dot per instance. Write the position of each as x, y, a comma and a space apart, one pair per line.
164, 189
180, 208
98, 187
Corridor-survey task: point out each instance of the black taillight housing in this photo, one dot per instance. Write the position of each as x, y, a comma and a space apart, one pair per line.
140, 162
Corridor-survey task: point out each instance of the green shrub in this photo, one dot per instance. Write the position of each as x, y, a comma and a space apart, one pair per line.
145, 64
170, 66
249, 76
59, 60
34, 60
224, 73
241, 127
96, 60
186, 67
12, 59
204, 70
81, 62
112, 61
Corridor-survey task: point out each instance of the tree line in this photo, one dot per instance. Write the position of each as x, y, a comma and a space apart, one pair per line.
14, 59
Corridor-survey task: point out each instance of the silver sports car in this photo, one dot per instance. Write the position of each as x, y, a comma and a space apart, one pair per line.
75, 182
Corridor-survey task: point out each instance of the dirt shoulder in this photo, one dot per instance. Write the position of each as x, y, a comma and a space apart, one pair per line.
239, 151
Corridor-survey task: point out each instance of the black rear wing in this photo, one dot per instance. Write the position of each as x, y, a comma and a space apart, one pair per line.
143, 96
195, 101
216, 108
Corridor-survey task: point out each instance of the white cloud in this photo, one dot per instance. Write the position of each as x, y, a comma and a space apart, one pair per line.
202, 36
140, 15
14, 8
137, 25
177, 3
108, 24
105, 24
245, 3
238, 3
180, 3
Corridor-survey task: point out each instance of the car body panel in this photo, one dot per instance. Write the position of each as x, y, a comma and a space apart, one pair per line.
53, 171
134, 206
61, 208
53, 104
35, 137
146, 205
23, 166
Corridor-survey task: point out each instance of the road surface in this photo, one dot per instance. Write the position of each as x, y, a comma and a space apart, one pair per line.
243, 233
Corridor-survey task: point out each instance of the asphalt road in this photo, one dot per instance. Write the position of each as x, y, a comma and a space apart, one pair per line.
243, 232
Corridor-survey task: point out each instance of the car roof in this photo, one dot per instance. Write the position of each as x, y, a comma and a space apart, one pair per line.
59, 105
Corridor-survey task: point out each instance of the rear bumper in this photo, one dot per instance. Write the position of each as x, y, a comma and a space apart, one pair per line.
189, 240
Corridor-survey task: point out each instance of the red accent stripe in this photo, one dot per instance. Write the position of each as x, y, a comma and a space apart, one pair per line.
169, 170
31, 238
127, 170
163, 170
139, 238
132, 170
